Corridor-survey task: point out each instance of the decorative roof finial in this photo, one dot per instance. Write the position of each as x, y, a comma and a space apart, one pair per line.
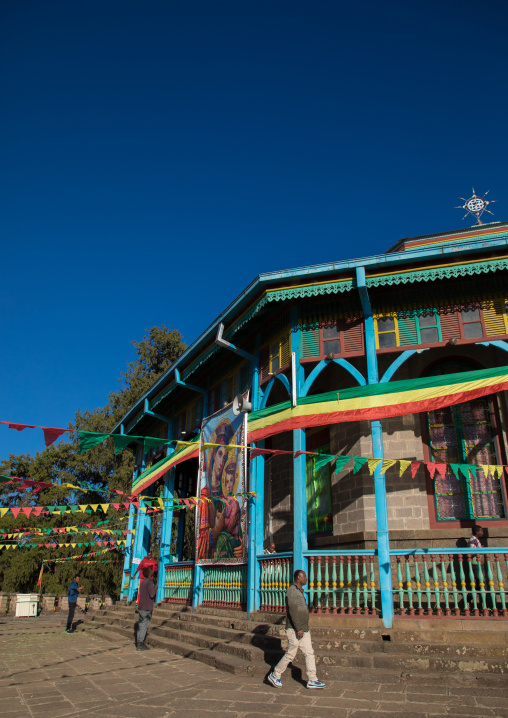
476, 205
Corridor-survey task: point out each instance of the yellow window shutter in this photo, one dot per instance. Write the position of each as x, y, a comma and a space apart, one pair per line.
493, 316
285, 349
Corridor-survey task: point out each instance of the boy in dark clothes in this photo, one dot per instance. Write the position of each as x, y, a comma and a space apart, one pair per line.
145, 608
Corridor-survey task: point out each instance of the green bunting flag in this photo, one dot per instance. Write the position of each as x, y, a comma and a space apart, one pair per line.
151, 443
341, 462
359, 462
89, 439
121, 441
323, 460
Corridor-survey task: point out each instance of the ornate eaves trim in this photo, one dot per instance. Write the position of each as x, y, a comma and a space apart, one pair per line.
429, 275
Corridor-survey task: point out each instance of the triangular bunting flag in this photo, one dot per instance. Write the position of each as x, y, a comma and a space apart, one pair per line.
415, 465
455, 468
89, 439
466, 468
15, 511
359, 461
51, 434
323, 460
151, 442
431, 468
386, 464
94, 507
441, 469
27, 510
403, 466
341, 462
105, 507
372, 464
121, 441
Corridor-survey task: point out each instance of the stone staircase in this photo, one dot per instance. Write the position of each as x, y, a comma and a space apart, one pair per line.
231, 642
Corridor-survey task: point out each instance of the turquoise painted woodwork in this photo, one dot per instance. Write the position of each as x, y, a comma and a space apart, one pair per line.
167, 524
128, 552
178, 582
456, 583
257, 504
300, 544
383, 541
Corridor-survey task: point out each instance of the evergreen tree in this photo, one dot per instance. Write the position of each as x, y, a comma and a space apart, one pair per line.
99, 468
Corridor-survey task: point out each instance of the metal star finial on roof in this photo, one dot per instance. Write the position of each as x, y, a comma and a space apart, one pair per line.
476, 205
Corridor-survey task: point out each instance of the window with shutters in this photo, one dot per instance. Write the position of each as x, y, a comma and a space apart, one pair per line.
275, 355
387, 331
343, 337
471, 323
465, 434
495, 317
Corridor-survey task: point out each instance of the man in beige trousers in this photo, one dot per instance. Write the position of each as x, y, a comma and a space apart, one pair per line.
298, 634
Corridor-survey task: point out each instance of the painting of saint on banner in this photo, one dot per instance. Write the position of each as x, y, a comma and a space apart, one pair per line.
221, 518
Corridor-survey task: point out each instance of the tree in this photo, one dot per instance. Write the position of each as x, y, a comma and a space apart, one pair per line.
99, 467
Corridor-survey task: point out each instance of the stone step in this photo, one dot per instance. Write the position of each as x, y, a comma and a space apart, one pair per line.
250, 653
227, 663
266, 642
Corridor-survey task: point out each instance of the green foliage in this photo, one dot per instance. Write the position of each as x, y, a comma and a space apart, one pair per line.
99, 467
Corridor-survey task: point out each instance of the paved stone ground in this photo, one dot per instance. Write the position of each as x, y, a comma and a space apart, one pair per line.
45, 673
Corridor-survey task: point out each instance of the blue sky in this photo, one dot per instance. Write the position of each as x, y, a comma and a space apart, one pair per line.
157, 156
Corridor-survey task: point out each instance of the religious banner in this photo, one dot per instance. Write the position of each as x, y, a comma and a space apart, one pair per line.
221, 515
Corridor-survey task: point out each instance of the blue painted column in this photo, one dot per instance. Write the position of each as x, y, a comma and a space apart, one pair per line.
300, 543
383, 539
180, 534
167, 525
256, 503
141, 542
128, 552
199, 572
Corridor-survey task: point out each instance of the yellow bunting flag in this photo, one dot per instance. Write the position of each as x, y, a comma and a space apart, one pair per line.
3, 512
386, 464
105, 507
403, 465
372, 464
94, 507
83, 507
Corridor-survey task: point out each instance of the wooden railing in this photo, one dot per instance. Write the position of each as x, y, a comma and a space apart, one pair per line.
179, 582
450, 582
225, 587
343, 583
276, 577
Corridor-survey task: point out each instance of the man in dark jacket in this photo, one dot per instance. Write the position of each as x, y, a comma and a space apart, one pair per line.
74, 590
298, 634
145, 607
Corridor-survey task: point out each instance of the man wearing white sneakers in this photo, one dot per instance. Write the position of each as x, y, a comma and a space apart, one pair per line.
297, 631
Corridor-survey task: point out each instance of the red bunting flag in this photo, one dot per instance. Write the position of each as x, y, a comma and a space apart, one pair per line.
431, 467
19, 427
27, 510
415, 465
441, 469
15, 511
51, 434
259, 452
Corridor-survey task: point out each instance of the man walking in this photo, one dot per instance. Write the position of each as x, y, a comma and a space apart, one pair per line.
74, 590
297, 632
145, 608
